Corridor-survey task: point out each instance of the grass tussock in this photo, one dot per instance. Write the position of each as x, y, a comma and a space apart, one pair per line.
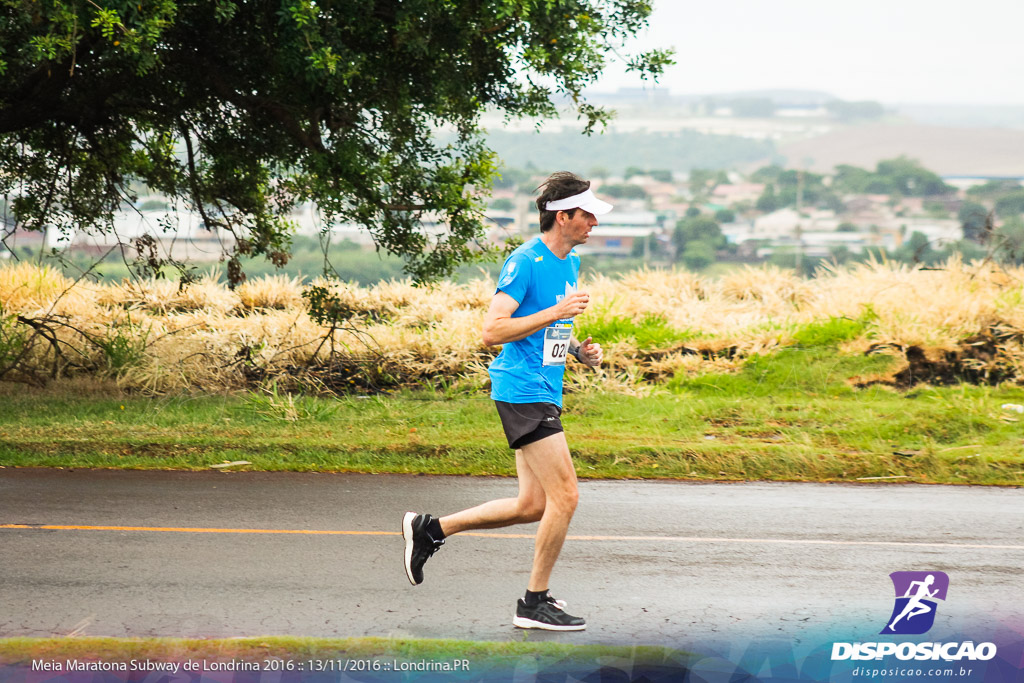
964, 321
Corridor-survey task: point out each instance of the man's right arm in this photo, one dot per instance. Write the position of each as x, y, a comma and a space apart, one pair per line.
501, 328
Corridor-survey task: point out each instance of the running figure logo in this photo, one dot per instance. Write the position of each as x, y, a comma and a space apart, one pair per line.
916, 593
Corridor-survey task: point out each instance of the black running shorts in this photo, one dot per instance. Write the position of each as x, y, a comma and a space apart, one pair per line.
525, 423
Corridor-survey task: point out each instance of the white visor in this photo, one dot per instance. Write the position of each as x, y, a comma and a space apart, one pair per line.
584, 200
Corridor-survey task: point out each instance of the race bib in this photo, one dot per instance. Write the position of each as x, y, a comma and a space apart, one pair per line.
556, 344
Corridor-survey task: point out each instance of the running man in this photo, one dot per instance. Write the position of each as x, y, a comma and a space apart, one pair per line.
531, 315
914, 606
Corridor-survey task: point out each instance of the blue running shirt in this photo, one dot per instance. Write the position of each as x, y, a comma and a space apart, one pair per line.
530, 370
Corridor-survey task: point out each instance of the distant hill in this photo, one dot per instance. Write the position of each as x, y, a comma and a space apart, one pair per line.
947, 151
677, 151
644, 96
964, 115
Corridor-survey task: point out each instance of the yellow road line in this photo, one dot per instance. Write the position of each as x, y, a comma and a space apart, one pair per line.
662, 539
197, 530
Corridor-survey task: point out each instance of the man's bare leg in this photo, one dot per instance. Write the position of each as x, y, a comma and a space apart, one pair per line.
547, 492
551, 464
527, 507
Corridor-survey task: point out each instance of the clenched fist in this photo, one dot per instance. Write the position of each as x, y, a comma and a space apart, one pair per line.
572, 305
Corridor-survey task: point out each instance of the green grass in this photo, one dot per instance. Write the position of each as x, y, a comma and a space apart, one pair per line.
650, 332
788, 416
833, 331
299, 651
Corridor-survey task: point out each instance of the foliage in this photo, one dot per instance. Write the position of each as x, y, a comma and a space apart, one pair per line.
698, 255
649, 332
768, 201
917, 249
752, 107
1011, 204
834, 330
13, 339
503, 204
993, 189
511, 178
853, 179
661, 175
272, 404
123, 345
632, 171
325, 308
1009, 241
901, 176
784, 187
702, 180
972, 217
864, 110
623, 191
788, 415
244, 110
696, 239
363, 340
766, 174
911, 179
649, 245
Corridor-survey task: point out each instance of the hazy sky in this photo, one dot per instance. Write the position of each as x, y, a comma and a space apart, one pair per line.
908, 51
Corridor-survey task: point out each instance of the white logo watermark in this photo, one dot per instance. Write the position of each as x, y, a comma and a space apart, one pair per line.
949, 652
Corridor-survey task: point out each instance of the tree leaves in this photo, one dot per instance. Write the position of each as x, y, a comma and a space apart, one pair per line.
242, 111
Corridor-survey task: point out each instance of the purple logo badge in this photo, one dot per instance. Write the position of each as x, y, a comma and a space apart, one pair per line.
916, 595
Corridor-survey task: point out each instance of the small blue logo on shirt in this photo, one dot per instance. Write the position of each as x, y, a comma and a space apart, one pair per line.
506, 279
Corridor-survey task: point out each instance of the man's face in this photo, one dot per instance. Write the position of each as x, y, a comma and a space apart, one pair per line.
577, 229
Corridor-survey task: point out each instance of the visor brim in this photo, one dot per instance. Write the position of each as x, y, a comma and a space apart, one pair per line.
596, 207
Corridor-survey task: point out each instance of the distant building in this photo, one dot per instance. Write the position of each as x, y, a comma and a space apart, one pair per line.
618, 232
940, 232
18, 239
180, 235
786, 222
737, 192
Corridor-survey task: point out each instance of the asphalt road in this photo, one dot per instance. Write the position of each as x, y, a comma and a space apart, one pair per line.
647, 562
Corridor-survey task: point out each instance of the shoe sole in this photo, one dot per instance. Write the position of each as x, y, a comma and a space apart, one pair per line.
523, 622
407, 535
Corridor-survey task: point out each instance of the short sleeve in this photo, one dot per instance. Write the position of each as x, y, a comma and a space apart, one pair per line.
515, 276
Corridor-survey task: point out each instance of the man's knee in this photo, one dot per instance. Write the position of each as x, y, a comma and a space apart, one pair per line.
531, 510
565, 498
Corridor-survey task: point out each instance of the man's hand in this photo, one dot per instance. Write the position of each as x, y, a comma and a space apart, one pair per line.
572, 305
590, 353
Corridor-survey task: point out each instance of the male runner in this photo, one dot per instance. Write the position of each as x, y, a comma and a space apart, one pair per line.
531, 316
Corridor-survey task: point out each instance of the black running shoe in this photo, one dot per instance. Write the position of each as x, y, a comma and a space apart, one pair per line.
419, 545
547, 615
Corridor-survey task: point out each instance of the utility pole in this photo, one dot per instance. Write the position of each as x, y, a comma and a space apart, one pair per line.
799, 217
807, 161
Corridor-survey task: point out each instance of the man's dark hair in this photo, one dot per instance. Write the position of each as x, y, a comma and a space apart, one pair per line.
559, 185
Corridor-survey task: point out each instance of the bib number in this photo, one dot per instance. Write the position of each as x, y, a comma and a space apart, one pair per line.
556, 345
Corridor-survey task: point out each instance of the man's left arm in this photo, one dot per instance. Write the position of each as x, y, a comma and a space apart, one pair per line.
586, 352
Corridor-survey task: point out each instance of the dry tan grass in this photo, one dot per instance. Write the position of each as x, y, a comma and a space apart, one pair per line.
275, 291
210, 338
